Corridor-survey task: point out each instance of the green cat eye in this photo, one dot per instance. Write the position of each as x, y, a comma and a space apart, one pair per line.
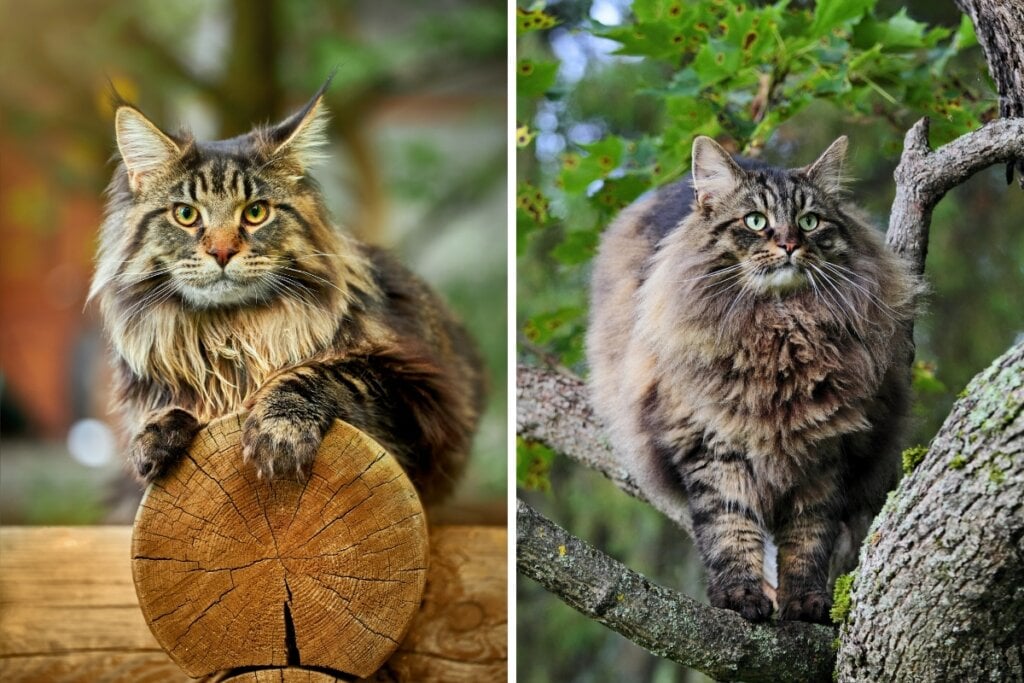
256, 213
755, 220
185, 215
808, 222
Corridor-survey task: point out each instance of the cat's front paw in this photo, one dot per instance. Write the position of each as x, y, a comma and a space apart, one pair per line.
279, 440
163, 441
747, 599
813, 606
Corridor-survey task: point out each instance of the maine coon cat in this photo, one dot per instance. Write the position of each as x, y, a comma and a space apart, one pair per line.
224, 285
747, 355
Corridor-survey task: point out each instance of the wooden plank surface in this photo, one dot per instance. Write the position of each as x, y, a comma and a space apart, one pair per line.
68, 610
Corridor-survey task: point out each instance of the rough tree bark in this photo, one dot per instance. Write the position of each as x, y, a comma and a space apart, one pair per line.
998, 24
718, 642
940, 591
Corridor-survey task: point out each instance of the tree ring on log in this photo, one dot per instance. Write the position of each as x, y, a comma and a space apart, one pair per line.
236, 571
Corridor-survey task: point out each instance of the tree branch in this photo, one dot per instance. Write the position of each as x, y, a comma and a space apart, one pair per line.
717, 642
553, 408
923, 177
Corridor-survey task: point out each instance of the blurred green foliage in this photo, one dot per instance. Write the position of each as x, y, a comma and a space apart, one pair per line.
777, 80
727, 69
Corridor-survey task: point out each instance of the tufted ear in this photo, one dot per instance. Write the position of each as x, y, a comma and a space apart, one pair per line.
715, 174
302, 137
145, 149
827, 171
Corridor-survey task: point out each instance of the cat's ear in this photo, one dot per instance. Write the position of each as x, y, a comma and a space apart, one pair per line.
145, 149
302, 137
715, 174
827, 171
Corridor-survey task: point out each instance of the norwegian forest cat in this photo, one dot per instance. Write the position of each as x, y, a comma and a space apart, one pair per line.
747, 354
224, 285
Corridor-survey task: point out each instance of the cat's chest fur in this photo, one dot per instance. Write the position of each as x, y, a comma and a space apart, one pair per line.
782, 387
211, 362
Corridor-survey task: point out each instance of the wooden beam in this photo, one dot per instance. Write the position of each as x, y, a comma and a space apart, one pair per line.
69, 613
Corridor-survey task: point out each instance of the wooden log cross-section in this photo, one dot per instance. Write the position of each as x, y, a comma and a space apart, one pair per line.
235, 571
244, 579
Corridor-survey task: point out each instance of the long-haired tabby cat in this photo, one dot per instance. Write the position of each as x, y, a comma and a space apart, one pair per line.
224, 285
746, 353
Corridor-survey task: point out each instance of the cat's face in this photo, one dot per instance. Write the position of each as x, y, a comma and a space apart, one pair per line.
776, 230
223, 223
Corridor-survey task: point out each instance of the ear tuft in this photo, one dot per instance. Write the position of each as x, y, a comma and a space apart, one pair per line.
302, 137
827, 171
715, 173
144, 148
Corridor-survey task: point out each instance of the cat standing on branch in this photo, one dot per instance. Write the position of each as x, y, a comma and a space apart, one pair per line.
224, 286
746, 355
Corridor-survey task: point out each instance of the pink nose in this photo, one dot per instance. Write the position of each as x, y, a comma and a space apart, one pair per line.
789, 245
222, 253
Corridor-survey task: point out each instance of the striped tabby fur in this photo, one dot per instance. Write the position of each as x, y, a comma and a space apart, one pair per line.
282, 315
755, 375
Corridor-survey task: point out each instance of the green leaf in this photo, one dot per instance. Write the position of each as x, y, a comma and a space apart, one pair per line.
545, 327
965, 36
924, 380
657, 10
829, 14
618, 193
898, 32
902, 31
533, 79
716, 61
533, 20
577, 247
656, 40
533, 465
532, 201
579, 171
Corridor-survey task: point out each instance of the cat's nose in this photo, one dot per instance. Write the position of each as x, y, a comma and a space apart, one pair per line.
222, 253
789, 245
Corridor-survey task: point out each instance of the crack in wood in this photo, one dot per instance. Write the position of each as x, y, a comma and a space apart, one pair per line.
230, 498
291, 645
376, 633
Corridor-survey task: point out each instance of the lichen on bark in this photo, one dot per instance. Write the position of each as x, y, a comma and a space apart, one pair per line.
939, 592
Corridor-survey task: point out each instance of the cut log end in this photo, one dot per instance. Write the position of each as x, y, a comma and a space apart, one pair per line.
235, 571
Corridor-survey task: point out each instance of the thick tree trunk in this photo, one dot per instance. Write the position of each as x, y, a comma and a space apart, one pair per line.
939, 593
999, 25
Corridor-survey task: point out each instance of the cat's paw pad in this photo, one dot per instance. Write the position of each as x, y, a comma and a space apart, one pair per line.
813, 606
162, 442
279, 445
747, 599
